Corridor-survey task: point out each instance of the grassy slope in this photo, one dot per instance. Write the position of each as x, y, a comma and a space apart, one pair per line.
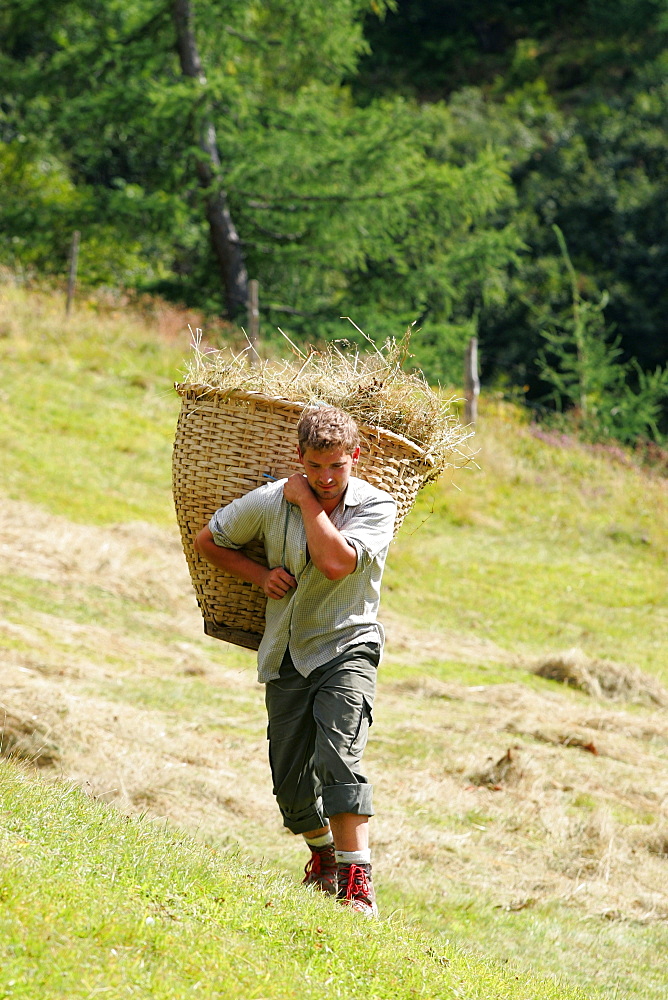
95, 903
87, 412
493, 563
548, 546
545, 546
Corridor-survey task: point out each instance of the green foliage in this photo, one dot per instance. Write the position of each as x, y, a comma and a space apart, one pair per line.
387, 241
587, 372
598, 176
355, 188
438, 350
575, 97
39, 211
342, 210
437, 46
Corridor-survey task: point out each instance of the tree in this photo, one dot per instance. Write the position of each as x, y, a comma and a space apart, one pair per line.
224, 237
586, 372
339, 209
574, 96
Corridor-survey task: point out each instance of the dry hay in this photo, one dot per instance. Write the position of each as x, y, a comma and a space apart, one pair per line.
558, 737
555, 832
601, 678
651, 838
135, 561
371, 386
556, 816
24, 737
503, 771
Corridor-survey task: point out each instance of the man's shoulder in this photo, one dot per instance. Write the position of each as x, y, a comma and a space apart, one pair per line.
269, 492
359, 491
264, 498
268, 497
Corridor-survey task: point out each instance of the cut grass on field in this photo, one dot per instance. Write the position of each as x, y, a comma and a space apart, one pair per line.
516, 816
164, 720
546, 547
94, 902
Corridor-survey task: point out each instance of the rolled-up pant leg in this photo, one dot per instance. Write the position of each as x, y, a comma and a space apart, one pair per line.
343, 704
291, 735
318, 728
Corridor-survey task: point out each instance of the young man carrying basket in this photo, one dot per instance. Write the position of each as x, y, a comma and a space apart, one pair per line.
326, 535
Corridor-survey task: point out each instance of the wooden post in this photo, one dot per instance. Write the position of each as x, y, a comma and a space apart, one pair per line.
471, 381
254, 316
72, 277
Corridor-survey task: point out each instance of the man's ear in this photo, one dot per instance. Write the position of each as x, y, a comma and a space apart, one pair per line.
356, 455
299, 455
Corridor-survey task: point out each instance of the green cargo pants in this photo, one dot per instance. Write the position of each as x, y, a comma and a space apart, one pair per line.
317, 732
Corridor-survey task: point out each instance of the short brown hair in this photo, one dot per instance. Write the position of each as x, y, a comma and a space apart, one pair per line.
325, 427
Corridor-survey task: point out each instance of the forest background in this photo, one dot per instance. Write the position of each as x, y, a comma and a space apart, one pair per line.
490, 168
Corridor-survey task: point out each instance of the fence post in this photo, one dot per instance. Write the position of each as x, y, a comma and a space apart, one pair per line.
471, 381
254, 315
72, 277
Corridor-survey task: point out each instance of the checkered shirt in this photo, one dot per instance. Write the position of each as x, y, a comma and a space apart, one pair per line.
320, 618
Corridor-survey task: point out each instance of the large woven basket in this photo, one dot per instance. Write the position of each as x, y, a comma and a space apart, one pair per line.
228, 443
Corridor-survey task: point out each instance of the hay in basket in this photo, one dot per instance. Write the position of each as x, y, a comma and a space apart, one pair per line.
237, 429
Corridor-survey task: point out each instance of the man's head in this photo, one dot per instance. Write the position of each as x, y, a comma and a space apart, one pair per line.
328, 450
324, 427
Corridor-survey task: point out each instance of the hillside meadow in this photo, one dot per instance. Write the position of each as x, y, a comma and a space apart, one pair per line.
521, 837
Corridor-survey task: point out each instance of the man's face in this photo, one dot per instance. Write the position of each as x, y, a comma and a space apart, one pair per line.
328, 472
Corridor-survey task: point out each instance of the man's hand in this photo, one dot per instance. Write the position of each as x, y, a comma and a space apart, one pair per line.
278, 582
297, 489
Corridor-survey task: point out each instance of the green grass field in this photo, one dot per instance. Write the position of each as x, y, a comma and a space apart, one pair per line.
546, 546
549, 884
94, 903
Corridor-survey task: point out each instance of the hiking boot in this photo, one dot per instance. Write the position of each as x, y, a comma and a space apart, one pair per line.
356, 889
320, 872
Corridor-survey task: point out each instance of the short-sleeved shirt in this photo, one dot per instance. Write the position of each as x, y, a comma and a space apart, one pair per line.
320, 618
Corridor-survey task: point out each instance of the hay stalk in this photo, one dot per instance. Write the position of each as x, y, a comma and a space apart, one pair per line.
372, 386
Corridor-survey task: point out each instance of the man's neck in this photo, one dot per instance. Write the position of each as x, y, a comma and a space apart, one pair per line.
329, 506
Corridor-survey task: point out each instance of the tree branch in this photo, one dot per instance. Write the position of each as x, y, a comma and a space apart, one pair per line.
282, 203
262, 43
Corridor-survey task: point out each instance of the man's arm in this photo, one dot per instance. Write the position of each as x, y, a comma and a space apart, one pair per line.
329, 550
276, 583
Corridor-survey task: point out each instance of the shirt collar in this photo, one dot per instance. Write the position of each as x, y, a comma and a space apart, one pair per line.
354, 492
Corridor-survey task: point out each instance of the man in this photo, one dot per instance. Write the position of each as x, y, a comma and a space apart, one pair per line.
326, 534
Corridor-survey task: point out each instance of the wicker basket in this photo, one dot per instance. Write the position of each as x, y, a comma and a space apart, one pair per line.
228, 443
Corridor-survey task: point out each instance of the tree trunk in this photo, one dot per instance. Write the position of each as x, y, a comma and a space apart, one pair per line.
224, 236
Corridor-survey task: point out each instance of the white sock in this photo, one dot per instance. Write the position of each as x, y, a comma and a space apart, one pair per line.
354, 857
322, 841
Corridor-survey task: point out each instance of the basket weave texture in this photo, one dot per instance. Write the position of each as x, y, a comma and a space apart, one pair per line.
228, 443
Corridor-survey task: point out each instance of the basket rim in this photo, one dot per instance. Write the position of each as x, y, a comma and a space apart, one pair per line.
203, 390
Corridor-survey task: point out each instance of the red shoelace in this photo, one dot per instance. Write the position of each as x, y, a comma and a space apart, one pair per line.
357, 885
314, 866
